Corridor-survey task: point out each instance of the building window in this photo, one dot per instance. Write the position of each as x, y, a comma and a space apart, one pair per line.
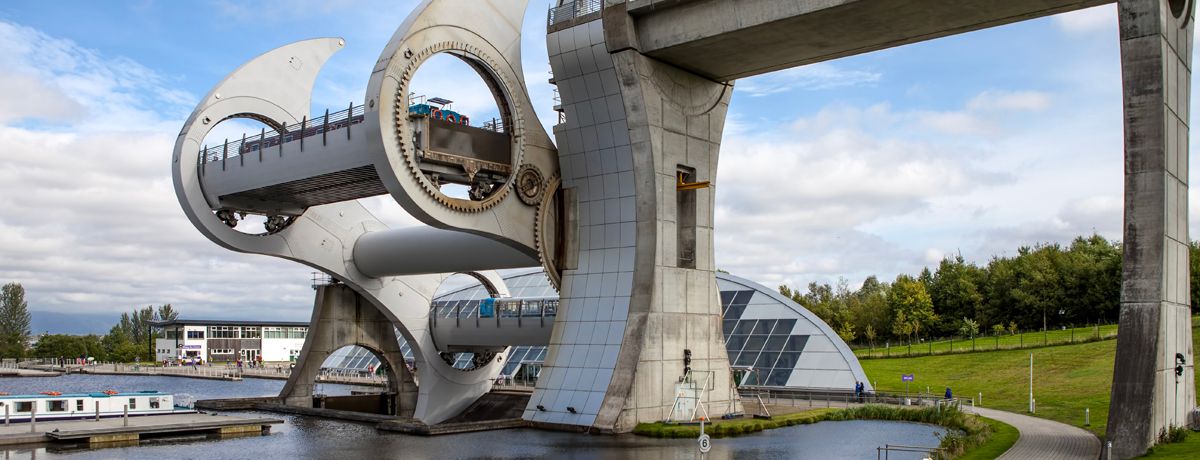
154, 403
273, 333
223, 332
56, 405
297, 332
132, 403
250, 333
78, 405
221, 351
24, 406
195, 334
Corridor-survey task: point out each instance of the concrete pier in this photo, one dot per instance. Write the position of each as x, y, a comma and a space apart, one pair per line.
110, 430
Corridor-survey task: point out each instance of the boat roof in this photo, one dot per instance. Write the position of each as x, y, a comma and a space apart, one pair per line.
87, 395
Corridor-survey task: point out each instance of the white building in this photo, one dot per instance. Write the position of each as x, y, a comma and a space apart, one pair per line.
220, 340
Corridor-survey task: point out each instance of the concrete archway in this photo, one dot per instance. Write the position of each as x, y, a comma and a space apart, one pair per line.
342, 318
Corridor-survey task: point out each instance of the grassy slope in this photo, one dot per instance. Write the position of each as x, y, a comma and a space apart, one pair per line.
1067, 378
1003, 437
984, 343
1188, 449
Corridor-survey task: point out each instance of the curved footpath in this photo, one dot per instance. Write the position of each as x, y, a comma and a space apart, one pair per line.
1045, 439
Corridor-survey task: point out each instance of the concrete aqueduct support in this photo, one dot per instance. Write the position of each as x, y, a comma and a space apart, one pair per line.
1155, 326
644, 289
341, 318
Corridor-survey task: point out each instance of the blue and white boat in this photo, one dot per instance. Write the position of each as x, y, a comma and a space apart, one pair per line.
52, 405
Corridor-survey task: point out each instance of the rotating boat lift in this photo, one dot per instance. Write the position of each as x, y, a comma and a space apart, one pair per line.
624, 229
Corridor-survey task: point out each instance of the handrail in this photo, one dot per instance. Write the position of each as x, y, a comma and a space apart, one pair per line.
571, 10
307, 128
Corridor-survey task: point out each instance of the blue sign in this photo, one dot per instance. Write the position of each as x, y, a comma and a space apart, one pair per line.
906, 377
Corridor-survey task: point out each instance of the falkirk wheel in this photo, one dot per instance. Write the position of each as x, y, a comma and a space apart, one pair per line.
619, 211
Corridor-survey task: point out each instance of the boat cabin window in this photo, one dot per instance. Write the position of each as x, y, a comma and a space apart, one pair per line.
24, 406
133, 403
78, 405
56, 405
154, 403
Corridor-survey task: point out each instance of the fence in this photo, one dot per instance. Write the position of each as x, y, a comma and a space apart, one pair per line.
571, 10
264, 139
992, 342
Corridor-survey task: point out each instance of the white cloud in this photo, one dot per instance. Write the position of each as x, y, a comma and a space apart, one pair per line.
1102, 17
1029, 101
89, 222
812, 77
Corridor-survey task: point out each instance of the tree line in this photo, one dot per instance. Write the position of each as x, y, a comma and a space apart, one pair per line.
128, 340
1042, 286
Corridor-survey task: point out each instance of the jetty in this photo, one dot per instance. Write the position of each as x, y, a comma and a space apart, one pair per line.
132, 429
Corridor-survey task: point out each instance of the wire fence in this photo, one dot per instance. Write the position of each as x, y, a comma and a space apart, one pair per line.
991, 342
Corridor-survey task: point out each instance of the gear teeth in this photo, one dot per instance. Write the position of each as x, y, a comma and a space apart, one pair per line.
401, 125
545, 254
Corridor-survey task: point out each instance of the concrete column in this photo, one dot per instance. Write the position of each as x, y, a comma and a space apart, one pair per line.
341, 317
644, 288
1147, 396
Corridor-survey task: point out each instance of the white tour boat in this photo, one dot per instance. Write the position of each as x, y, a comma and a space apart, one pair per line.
52, 405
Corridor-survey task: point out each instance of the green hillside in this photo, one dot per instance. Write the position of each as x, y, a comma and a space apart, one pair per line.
1067, 378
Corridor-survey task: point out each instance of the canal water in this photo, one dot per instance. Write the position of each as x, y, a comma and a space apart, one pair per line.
311, 437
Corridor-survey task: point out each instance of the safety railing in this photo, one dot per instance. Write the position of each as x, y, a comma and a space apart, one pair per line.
296, 132
571, 10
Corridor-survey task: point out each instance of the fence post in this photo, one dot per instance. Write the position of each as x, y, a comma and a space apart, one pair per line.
303, 131
350, 118
126, 415
241, 154
97, 411
262, 143
6, 421
225, 154
325, 129
33, 418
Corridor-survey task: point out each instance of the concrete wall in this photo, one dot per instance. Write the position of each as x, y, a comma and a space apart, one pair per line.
1156, 57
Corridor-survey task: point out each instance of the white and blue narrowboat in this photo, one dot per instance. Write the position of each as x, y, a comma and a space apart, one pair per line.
52, 405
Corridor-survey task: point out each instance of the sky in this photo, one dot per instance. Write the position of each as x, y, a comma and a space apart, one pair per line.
876, 164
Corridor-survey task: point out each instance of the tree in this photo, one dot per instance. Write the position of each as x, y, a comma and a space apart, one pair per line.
166, 313
14, 321
869, 333
846, 332
955, 292
910, 303
969, 328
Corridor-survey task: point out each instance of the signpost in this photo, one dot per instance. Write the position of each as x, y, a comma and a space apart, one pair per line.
906, 378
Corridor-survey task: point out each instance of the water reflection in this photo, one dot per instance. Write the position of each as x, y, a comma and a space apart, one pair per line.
307, 437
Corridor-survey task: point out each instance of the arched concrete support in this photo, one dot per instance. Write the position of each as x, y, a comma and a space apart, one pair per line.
1155, 323
271, 87
645, 276
342, 318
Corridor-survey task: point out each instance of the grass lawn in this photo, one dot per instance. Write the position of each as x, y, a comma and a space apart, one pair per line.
992, 343
1003, 437
1188, 449
1067, 378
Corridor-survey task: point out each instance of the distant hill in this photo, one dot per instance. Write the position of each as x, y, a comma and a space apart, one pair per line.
72, 323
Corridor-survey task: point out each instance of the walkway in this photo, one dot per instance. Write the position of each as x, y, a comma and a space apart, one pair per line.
1045, 439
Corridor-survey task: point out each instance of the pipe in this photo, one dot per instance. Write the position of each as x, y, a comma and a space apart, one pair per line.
425, 250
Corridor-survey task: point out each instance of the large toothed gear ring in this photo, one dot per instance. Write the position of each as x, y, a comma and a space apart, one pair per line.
496, 82
546, 231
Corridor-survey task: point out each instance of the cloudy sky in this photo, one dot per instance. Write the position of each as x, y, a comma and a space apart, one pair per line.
874, 164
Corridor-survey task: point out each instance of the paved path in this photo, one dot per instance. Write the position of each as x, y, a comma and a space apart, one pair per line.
1045, 439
